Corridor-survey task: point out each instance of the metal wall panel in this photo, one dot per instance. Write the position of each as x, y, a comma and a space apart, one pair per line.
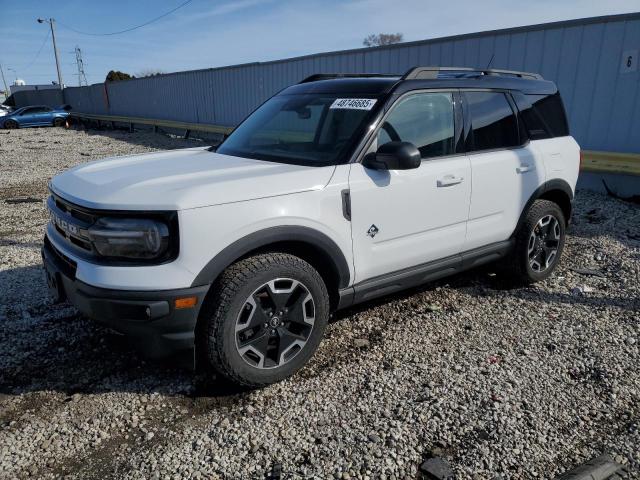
50, 97
584, 58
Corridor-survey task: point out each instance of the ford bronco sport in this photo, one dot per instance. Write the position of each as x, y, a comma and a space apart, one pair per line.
337, 190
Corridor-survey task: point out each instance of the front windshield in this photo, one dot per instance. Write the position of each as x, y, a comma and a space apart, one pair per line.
306, 129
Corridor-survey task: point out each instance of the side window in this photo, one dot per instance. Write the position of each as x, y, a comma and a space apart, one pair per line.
550, 109
32, 110
493, 122
542, 115
424, 119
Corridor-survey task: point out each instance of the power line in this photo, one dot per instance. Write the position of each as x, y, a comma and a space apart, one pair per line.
128, 29
46, 37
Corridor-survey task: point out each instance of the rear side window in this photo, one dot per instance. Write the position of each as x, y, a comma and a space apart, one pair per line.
493, 122
542, 115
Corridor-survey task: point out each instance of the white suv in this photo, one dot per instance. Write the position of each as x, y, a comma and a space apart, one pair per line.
337, 190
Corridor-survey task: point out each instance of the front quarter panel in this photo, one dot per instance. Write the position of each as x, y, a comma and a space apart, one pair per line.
206, 232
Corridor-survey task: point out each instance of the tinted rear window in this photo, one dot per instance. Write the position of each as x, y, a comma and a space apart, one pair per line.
493, 122
543, 115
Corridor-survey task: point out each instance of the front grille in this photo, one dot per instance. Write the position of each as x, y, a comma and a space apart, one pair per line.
82, 215
71, 223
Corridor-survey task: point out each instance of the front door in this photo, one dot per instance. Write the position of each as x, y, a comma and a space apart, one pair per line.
405, 218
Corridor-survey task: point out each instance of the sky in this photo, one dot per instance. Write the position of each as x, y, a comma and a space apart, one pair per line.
214, 33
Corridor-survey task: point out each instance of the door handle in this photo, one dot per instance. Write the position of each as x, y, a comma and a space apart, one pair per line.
525, 168
449, 180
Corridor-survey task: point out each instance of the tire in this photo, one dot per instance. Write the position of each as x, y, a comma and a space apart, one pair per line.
11, 124
538, 243
265, 319
59, 122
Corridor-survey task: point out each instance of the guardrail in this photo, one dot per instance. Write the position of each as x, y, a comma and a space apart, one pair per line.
155, 122
592, 161
610, 162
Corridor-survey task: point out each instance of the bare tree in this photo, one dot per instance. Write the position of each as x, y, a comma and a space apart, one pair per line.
149, 72
380, 39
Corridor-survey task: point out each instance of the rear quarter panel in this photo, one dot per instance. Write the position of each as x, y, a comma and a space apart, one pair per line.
561, 156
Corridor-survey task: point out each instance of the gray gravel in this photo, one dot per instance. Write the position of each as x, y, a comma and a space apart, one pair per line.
522, 383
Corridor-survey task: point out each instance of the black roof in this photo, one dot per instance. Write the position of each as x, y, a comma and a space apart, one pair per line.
424, 77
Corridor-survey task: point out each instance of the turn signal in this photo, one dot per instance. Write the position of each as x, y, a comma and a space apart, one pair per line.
186, 302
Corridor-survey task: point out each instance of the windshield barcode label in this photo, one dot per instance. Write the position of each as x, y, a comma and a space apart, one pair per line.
354, 103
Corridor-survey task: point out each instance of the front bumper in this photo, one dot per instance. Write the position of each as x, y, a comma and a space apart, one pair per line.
150, 318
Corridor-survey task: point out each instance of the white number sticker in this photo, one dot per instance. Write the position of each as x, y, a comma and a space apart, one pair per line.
354, 103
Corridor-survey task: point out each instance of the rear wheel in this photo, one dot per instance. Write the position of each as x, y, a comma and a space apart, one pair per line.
59, 122
266, 318
539, 243
11, 124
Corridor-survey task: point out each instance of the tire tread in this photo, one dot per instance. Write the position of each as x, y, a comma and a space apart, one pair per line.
225, 290
516, 263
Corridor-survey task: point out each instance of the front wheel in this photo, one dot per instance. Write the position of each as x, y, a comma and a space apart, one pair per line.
266, 318
11, 124
539, 243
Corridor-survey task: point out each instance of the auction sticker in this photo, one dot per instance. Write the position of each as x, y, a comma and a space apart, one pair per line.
354, 103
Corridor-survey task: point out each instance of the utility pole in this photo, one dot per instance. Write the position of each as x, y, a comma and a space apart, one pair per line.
82, 77
51, 23
6, 89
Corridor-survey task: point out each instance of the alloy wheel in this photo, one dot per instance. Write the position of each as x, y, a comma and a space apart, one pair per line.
275, 323
544, 242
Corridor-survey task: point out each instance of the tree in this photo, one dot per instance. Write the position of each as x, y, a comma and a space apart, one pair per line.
117, 75
382, 39
149, 72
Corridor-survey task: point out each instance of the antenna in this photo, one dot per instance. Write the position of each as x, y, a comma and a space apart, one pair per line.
490, 61
82, 78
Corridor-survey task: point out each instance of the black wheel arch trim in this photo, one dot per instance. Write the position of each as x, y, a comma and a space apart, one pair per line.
555, 184
270, 236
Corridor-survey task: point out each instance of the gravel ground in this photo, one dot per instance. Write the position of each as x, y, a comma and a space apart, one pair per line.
521, 383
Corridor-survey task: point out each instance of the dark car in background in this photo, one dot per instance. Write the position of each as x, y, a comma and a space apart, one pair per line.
35, 116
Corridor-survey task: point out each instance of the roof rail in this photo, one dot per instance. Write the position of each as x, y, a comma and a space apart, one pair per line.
425, 73
328, 76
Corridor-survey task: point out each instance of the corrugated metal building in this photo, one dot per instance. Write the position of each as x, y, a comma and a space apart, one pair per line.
594, 62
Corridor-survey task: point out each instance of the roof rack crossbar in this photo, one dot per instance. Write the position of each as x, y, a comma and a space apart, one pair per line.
328, 76
425, 73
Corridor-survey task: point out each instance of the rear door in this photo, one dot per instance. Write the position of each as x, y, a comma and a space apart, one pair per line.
405, 218
505, 168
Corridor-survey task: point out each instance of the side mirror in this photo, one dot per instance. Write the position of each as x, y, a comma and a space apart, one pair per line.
394, 156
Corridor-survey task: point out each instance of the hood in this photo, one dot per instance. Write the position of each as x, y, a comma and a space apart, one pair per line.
182, 179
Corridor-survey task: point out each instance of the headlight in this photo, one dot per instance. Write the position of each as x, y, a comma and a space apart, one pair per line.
129, 237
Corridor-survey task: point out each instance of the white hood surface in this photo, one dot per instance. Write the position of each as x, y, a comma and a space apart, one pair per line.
182, 179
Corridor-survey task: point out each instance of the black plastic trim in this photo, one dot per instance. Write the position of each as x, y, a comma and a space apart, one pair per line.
418, 275
346, 204
555, 184
148, 317
273, 235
